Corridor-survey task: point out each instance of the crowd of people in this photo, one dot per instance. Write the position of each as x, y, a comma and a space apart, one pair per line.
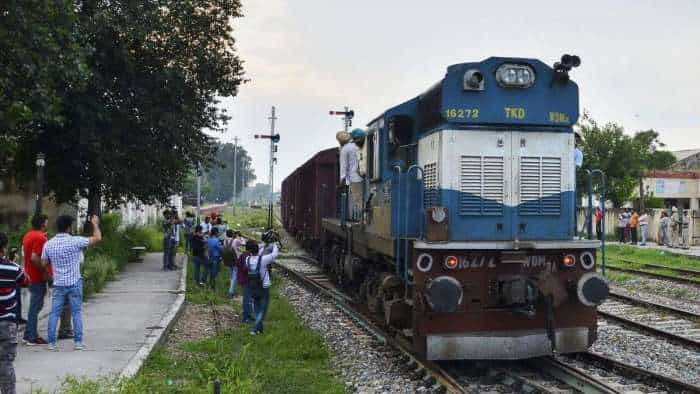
211, 244
633, 227
46, 263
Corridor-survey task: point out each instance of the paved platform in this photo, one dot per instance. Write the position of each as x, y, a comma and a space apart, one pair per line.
693, 251
121, 324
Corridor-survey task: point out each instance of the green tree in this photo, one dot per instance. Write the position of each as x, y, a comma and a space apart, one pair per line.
41, 55
219, 177
623, 159
650, 157
136, 129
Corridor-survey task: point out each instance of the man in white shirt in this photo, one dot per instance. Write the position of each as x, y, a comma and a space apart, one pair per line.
349, 175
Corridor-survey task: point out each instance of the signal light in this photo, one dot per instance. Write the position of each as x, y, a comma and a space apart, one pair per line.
569, 260
451, 262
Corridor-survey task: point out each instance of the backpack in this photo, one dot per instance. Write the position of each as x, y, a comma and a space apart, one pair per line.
228, 255
255, 279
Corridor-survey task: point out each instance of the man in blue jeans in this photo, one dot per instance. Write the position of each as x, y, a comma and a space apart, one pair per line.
62, 253
214, 250
199, 255
32, 245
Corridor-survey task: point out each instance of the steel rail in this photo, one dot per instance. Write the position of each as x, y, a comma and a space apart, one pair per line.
649, 304
673, 384
685, 341
439, 374
654, 275
572, 376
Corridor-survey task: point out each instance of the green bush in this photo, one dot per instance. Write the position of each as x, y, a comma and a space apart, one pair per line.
149, 236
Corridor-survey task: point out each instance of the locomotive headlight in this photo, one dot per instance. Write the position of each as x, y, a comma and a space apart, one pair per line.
515, 76
451, 262
569, 260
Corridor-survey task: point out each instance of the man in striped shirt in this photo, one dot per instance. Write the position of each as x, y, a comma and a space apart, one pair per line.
11, 275
62, 252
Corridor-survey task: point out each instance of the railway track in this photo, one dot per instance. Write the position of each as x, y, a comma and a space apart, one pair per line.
680, 326
543, 375
649, 273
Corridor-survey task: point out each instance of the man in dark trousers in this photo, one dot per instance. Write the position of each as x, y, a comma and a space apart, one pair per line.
11, 275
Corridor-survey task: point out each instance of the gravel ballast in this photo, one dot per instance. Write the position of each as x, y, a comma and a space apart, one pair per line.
364, 364
647, 352
665, 292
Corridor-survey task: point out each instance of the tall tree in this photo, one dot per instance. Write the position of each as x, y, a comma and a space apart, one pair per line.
650, 157
622, 158
137, 128
41, 54
219, 177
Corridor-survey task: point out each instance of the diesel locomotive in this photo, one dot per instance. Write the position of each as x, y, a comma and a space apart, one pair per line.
466, 246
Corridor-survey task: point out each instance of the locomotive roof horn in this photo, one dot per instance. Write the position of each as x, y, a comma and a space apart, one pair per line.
562, 68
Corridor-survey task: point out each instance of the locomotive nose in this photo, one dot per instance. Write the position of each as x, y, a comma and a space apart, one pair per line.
592, 289
444, 294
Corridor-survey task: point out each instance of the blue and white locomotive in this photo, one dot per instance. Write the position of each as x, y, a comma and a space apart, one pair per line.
466, 245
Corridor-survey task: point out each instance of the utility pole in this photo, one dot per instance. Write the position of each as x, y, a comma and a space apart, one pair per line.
274, 139
235, 168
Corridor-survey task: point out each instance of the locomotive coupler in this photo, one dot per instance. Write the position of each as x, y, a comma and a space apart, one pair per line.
519, 294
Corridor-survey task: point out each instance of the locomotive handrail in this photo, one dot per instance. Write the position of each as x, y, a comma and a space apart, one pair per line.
602, 203
420, 221
398, 218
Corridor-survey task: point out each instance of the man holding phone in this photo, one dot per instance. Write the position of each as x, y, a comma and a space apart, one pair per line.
62, 253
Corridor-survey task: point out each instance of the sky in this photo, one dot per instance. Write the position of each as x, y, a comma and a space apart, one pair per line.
306, 57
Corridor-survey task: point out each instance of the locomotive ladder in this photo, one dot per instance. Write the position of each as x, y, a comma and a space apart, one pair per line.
401, 231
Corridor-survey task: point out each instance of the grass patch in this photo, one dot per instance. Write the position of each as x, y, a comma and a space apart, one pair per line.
618, 277
625, 256
248, 219
288, 358
654, 256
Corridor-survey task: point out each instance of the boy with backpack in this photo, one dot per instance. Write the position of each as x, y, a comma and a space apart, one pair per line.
259, 281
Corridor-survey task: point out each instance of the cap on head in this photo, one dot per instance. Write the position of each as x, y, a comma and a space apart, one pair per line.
358, 133
343, 137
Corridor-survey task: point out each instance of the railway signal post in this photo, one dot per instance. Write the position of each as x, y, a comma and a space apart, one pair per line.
347, 115
274, 139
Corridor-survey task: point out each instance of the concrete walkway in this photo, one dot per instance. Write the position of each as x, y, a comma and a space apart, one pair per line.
121, 324
692, 252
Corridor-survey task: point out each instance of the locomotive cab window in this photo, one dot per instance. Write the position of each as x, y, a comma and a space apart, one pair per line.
373, 167
402, 147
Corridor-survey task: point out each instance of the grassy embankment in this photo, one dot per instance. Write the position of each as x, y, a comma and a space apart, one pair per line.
635, 258
287, 358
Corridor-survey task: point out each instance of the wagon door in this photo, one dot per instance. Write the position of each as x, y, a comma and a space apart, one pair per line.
544, 192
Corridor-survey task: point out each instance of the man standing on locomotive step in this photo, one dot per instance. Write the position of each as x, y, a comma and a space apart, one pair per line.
349, 176
357, 191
